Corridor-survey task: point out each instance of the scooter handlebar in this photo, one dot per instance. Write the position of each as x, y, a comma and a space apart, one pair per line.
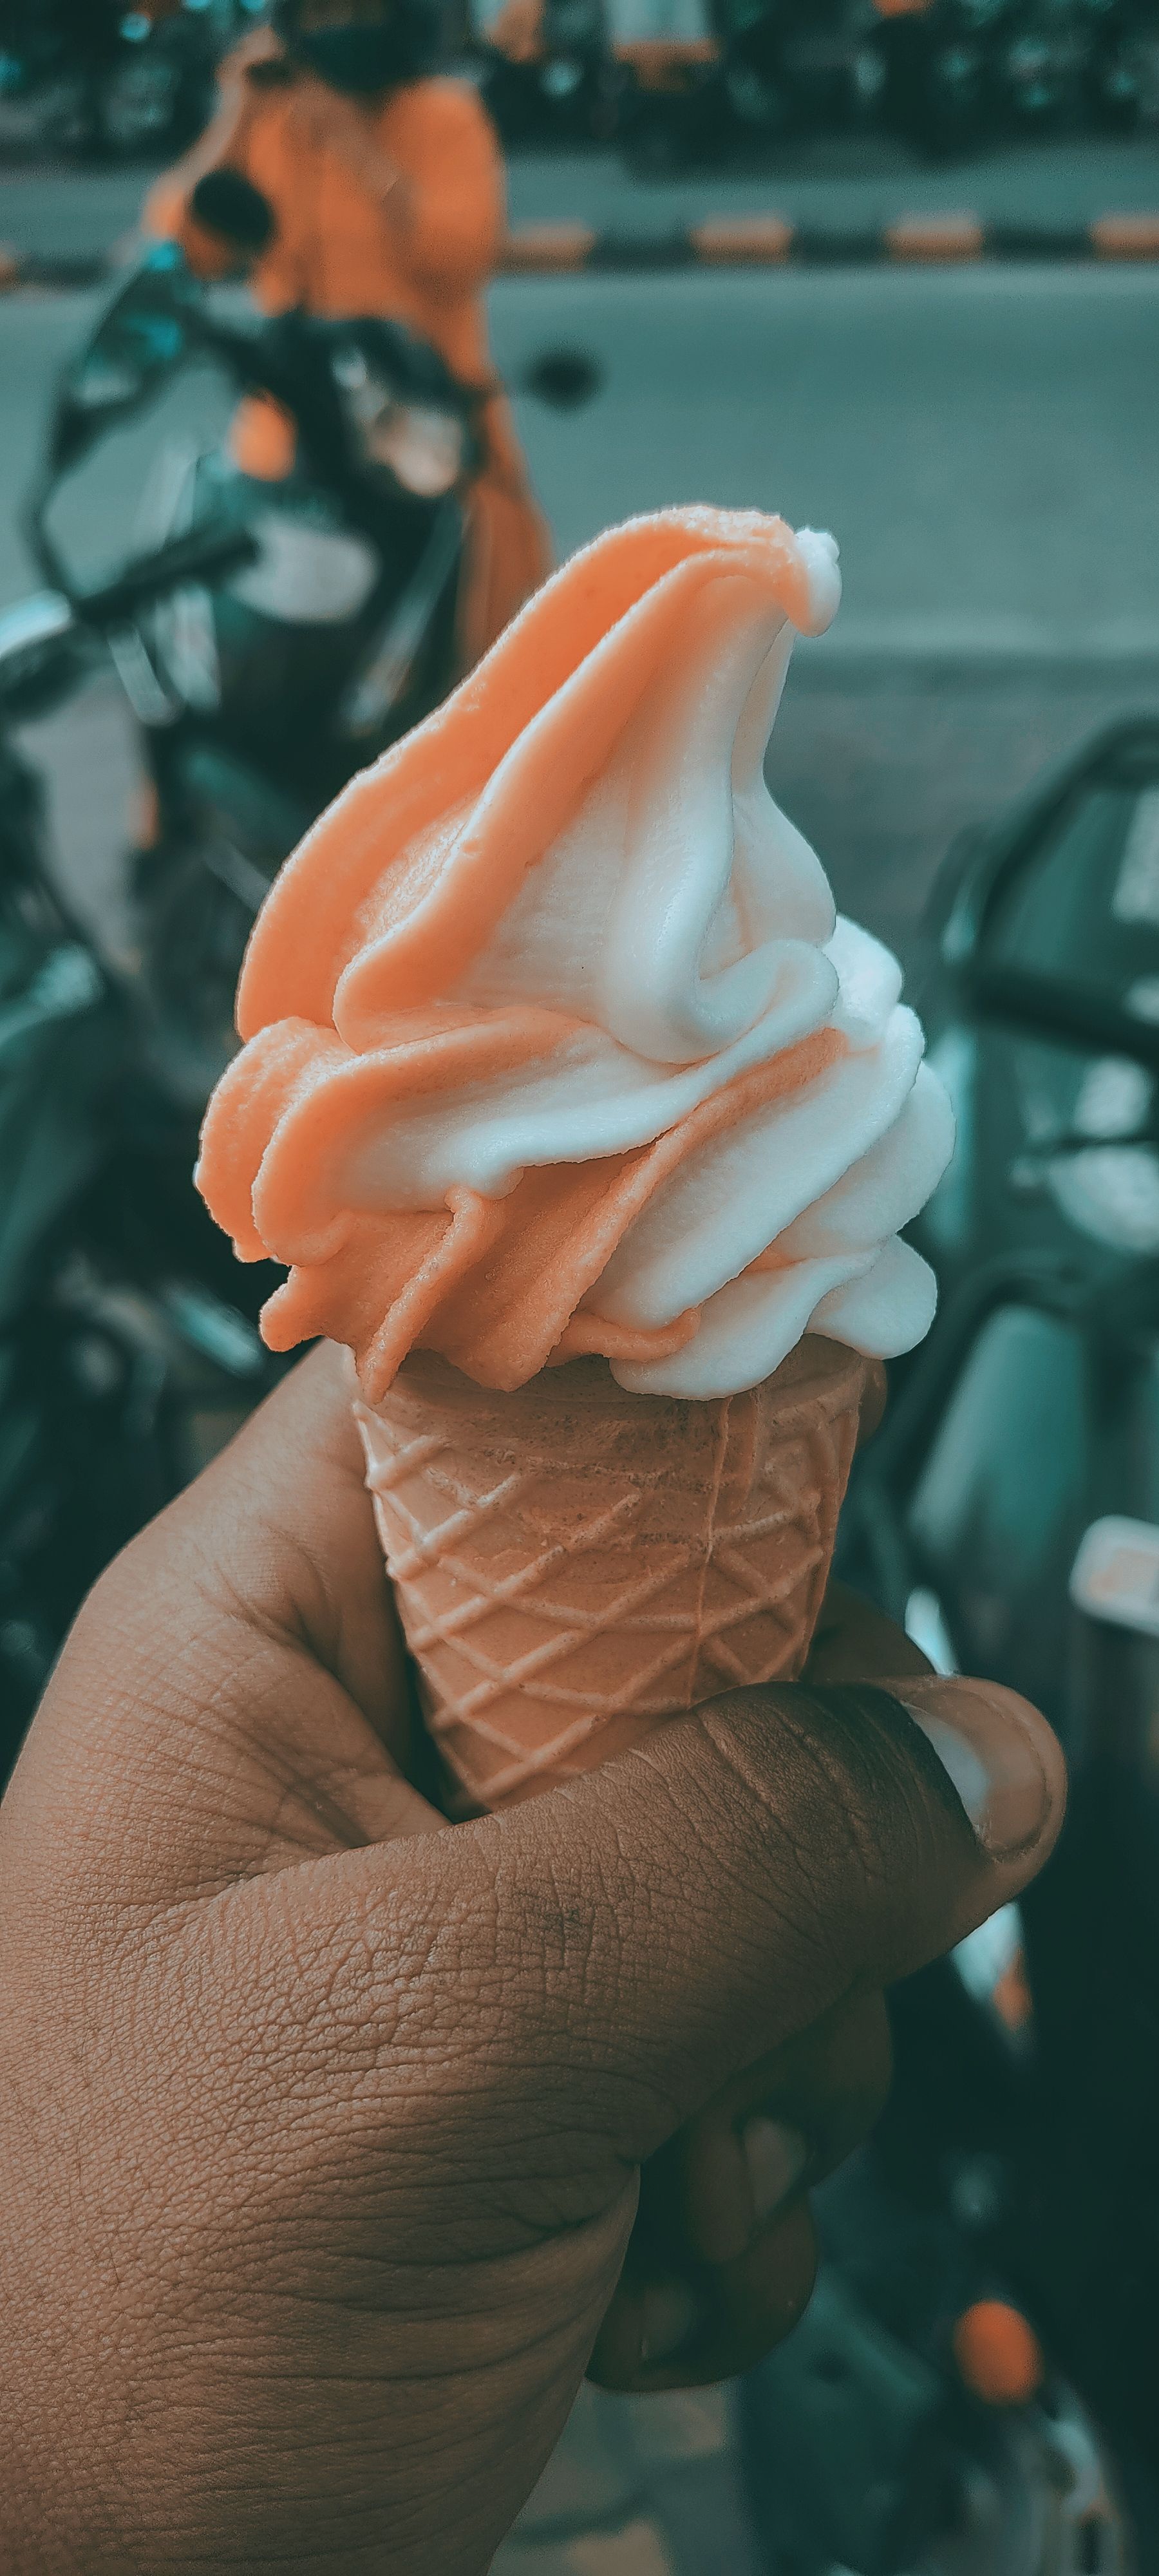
208, 555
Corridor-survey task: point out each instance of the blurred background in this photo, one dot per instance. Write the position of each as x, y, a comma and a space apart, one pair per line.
889, 267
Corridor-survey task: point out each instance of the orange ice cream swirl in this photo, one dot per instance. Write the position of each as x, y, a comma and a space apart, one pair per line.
553, 1043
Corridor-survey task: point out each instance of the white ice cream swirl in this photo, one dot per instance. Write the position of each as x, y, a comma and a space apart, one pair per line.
667, 941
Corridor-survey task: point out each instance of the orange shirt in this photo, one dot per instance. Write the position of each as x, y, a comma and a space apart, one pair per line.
348, 239
396, 208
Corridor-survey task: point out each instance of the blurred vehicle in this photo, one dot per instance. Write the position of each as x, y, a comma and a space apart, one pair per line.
125, 84
259, 695
750, 70
678, 81
793, 66
128, 1343
912, 2424
1009, 1514
547, 71
644, 71
1069, 64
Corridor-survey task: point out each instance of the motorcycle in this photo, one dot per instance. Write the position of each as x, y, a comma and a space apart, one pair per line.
257, 698
126, 85
786, 70
1009, 1515
912, 2425
973, 2389
128, 1342
546, 73
1072, 63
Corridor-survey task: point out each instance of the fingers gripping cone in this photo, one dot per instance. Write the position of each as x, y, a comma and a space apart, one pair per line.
577, 1114
573, 1563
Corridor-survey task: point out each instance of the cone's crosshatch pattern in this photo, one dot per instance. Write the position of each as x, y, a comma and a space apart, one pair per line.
573, 1563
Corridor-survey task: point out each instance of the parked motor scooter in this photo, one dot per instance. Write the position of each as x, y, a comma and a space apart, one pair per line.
125, 84
547, 71
973, 2390
128, 1340
1009, 1513
788, 69
259, 697
1068, 65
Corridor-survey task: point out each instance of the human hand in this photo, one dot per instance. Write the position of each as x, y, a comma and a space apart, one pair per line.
323, 2122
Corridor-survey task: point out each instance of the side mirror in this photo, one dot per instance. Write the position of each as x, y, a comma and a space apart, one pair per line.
1053, 927
138, 343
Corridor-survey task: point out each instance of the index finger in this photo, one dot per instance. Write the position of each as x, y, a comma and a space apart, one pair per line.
281, 1523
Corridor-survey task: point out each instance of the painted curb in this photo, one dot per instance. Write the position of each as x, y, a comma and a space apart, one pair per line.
769, 241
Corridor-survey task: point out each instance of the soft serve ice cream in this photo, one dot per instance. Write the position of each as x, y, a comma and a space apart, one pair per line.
554, 1043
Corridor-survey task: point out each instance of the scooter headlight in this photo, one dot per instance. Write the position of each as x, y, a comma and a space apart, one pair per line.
423, 447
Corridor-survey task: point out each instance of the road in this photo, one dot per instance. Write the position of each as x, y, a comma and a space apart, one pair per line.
846, 182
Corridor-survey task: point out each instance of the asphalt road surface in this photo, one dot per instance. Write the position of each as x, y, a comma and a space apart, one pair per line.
983, 442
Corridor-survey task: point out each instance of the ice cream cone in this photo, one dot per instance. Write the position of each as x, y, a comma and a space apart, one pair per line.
578, 1114
574, 1563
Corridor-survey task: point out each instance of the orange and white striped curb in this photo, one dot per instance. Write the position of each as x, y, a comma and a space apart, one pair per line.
572, 247
915, 240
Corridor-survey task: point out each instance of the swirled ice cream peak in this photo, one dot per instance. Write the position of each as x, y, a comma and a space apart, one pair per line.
554, 1042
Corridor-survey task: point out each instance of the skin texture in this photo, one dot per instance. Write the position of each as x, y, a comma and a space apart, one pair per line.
323, 2123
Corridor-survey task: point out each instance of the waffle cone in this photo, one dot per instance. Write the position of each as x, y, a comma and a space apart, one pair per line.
573, 1564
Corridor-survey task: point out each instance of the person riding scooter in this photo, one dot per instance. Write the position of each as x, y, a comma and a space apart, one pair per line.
348, 182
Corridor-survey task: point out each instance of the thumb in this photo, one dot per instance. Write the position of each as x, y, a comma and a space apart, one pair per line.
707, 1897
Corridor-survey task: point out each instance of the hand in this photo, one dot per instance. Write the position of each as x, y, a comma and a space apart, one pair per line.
322, 2122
